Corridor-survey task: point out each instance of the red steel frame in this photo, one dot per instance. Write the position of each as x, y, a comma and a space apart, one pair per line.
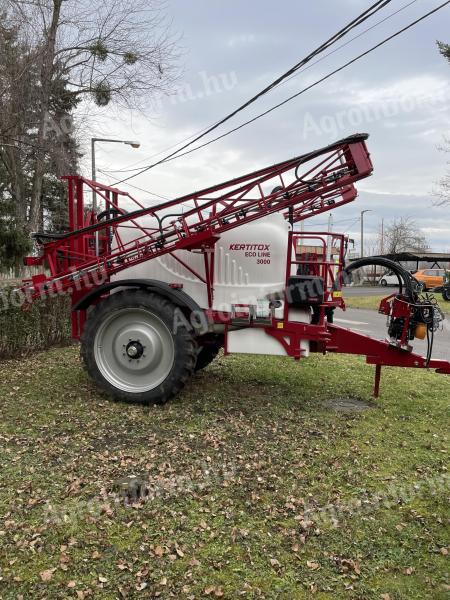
326, 182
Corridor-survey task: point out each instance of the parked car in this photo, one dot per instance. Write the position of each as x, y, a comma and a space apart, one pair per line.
389, 278
430, 278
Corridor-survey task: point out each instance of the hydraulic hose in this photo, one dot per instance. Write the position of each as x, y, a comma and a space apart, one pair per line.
405, 279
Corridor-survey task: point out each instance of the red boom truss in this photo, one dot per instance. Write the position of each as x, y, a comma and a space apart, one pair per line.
306, 185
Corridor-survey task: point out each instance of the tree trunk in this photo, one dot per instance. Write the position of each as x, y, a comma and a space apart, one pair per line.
47, 68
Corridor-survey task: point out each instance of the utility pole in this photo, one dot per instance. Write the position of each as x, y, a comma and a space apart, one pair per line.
362, 230
330, 238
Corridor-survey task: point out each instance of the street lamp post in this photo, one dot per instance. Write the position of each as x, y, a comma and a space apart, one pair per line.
133, 144
362, 230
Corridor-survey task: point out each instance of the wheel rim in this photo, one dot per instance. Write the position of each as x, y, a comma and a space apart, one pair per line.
134, 350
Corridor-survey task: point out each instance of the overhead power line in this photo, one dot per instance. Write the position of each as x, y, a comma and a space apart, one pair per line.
129, 169
316, 83
364, 16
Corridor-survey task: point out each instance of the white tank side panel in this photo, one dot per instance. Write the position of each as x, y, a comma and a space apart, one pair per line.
299, 315
250, 264
254, 341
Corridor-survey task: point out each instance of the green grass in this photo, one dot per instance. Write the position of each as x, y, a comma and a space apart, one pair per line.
368, 302
373, 302
238, 460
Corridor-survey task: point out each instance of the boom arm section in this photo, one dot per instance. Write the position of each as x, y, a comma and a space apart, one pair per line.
300, 188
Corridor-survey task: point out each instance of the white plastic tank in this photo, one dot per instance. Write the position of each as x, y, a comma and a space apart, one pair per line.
249, 269
250, 264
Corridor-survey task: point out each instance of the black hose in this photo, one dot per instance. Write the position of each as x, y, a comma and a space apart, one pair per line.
404, 276
110, 213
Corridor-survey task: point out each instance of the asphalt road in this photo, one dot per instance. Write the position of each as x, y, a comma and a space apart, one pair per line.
372, 290
373, 324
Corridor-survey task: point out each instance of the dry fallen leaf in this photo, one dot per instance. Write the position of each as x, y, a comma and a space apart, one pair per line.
47, 575
312, 565
158, 551
141, 586
348, 564
274, 562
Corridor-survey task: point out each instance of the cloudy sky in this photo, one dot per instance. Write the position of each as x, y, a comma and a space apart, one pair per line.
233, 48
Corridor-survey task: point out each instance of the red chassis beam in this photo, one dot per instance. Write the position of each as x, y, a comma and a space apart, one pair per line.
379, 353
331, 338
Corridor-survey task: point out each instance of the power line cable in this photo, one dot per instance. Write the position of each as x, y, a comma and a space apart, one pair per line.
367, 14
136, 187
129, 169
144, 190
347, 64
402, 8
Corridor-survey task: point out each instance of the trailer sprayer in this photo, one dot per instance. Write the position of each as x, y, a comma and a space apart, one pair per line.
157, 291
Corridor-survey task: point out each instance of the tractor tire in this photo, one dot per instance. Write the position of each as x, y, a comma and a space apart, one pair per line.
133, 352
207, 353
446, 294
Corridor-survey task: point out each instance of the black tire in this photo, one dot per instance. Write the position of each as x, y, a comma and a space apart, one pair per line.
124, 370
207, 352
383, 283
446, 294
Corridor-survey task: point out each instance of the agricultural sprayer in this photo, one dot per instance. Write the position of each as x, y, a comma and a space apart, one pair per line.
158, 291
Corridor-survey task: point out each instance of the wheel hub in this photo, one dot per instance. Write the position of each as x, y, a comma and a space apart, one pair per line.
135, 349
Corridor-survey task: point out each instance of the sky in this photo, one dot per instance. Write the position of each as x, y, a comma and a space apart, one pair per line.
231, 49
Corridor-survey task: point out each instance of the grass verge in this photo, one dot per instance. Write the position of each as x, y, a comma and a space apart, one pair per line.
258, 486
373, 302
367, 302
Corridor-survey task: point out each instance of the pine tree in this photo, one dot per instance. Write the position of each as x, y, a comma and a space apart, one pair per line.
19, 88
444, 49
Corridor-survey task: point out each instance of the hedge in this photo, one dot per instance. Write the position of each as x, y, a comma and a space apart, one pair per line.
45, 323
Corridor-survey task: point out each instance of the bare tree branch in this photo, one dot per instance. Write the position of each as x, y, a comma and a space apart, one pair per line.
118, 52
403, 235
